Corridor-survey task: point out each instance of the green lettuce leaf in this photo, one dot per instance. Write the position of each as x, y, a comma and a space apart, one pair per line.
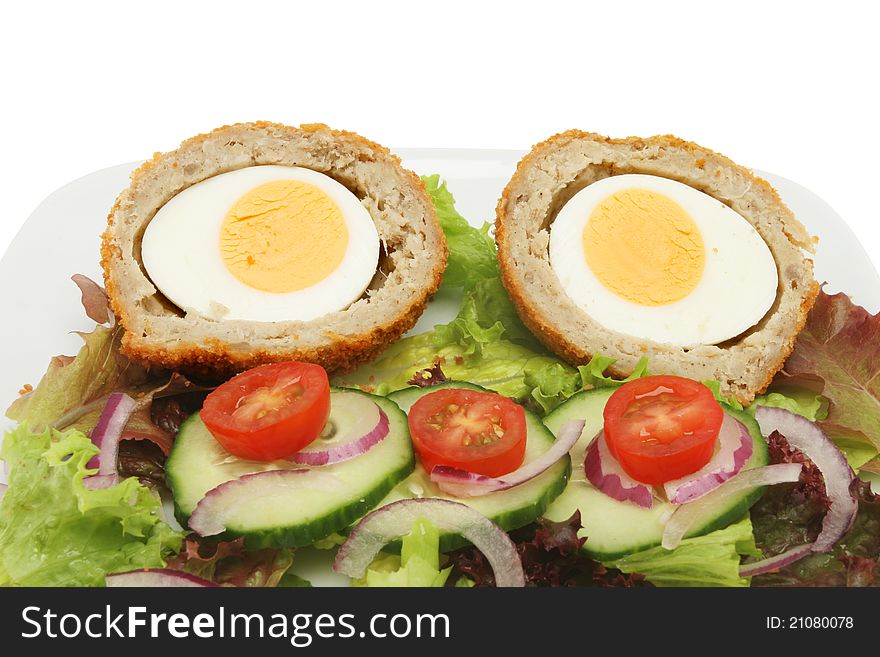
330, 542
55, 532
548, 384
468, 354
593, 373
797, 400
473, 266
801, 401
293, 581
861, 456
417, 565
471, 250
486, 313
710, 560
715, 387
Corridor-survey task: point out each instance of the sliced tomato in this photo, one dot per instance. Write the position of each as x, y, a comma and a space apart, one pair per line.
476, 431
270, 412
661, 428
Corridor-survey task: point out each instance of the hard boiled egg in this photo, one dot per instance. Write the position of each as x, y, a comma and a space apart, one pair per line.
263, 243
657, 259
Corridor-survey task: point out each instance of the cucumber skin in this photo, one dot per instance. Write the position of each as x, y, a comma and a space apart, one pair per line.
509, 520
180, 515
323, 527
315, 530
735, 513
515, 518
760, 456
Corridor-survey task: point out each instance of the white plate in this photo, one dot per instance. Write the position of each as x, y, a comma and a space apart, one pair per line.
41, 305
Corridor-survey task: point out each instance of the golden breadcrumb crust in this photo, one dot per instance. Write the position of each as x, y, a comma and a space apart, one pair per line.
215, 357
540, 321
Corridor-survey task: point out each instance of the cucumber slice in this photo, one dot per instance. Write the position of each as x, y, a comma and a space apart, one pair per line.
511, 508
198, 463
614, 528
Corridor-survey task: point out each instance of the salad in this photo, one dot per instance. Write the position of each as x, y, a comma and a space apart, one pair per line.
468, 455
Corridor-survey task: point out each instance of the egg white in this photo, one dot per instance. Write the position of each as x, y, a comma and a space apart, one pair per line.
181, 251
737, 288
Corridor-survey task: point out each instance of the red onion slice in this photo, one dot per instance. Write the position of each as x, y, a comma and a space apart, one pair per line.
395, 520
818, 447
98, 482
221, 503
733, 450
605, 473
687, 515
775, 563
108, 431
356, 424
155, 577
462, 483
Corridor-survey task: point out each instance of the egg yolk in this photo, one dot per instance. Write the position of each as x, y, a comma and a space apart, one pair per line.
283, 236
644, 247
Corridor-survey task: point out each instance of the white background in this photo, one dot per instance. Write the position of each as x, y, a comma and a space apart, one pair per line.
790, 88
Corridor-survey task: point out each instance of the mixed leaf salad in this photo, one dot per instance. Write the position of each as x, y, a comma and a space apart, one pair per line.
121, 475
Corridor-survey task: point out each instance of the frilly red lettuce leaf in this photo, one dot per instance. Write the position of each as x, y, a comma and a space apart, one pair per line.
228, 563
430, 376
872, 466
781, 522
791, 514
811, 485
837, 355
550, 554
142, 459
94, 300
74, 390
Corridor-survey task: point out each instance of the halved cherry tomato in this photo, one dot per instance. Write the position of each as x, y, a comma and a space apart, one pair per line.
476, 431
269, 412
661, 428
